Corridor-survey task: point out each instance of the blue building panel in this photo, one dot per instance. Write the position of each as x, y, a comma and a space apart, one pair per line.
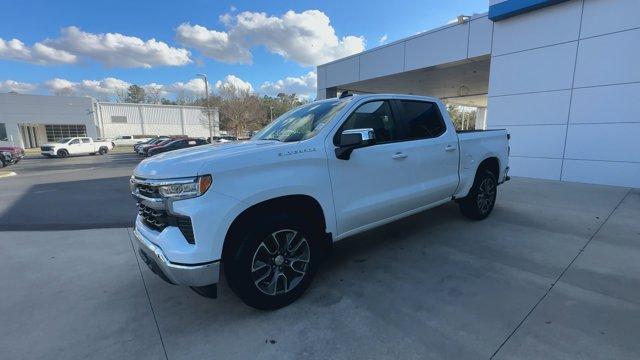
509, 8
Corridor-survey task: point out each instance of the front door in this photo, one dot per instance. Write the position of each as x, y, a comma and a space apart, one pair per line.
378, 181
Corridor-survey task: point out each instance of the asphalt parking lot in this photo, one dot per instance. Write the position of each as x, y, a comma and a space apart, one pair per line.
80, 192
553, 273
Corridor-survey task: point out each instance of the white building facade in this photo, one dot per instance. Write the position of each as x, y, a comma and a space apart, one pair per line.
31, 120
563, 77
116, 119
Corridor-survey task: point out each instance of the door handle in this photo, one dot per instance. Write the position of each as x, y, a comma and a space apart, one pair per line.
450, 148
399, 155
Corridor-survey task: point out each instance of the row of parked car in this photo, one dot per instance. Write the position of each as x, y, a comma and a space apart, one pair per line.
163, 144
10, 155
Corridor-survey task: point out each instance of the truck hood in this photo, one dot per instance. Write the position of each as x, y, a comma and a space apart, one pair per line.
188, 162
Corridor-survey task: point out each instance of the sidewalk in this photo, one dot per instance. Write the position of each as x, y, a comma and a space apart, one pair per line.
553, 273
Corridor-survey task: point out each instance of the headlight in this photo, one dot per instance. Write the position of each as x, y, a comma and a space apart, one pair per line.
186, 188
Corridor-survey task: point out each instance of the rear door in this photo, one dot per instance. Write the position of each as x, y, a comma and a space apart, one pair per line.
87, 145
435, 143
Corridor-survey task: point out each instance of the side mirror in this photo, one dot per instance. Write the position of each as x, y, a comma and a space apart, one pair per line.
354, 139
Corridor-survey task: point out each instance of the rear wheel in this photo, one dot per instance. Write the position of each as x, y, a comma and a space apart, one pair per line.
271, 263
62, 153
479, 203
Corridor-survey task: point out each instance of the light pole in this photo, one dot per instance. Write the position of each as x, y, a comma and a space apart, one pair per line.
206, 97
271, 108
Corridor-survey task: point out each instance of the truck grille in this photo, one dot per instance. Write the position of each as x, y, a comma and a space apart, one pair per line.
148, 191
155, 219
159, 219
45, 148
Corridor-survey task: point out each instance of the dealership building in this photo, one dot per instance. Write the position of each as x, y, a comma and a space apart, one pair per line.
562, 76
31, 120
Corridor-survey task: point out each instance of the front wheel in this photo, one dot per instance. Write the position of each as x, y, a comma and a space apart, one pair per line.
479, 203
62, 153
102, 151
272, 263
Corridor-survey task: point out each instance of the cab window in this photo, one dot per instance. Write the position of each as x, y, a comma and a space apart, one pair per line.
376, 115
422, 119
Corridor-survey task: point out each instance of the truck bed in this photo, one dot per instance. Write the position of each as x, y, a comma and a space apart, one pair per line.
475, 145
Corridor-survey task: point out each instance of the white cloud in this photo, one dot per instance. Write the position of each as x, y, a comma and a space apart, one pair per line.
215, 44
383, 39
117, 50
234, 81
191, 87
39, 53
306, 38
19, 87
105, 87
110, 87
304, 85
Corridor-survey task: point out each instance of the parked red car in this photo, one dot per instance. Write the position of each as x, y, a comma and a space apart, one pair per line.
10, 155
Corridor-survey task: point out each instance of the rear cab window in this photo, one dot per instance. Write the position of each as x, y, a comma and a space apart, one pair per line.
422, 119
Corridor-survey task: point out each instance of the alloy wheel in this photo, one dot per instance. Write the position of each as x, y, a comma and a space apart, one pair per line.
486, 195
280, 262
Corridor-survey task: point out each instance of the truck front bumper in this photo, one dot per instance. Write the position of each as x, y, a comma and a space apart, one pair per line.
175, 273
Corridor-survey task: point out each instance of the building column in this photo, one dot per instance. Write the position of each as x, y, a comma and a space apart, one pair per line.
481, 118
331, 93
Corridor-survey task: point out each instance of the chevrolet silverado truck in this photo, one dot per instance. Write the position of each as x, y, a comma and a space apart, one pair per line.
269, 208
75, 146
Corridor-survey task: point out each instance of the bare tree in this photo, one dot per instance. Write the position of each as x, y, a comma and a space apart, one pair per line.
152, 95
240, 109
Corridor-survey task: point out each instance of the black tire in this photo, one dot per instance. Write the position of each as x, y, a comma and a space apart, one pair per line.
479, 203
243, 268
103, 150
62, 153
2, 164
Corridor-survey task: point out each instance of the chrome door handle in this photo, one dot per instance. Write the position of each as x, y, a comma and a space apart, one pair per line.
399, 155
450, 148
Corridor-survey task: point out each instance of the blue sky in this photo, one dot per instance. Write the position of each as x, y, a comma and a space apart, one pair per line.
254, 49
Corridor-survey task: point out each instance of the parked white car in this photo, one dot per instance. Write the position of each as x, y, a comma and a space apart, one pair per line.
129, 140
75, 146
270, 207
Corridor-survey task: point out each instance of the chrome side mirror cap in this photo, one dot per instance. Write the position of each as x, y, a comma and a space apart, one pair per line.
354, 139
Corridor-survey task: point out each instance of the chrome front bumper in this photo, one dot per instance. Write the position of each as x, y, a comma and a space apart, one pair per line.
178, 274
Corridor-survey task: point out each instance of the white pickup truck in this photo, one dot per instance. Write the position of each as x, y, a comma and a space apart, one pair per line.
75, 146
270, 207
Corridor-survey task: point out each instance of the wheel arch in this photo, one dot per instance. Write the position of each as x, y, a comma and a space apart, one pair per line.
303, 204
492, 164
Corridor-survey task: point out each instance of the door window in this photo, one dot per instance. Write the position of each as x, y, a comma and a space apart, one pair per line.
74, 142
86, 141
422, 119
375, 115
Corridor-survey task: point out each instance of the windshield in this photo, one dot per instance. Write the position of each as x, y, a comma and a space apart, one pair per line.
301, 123
64, 140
